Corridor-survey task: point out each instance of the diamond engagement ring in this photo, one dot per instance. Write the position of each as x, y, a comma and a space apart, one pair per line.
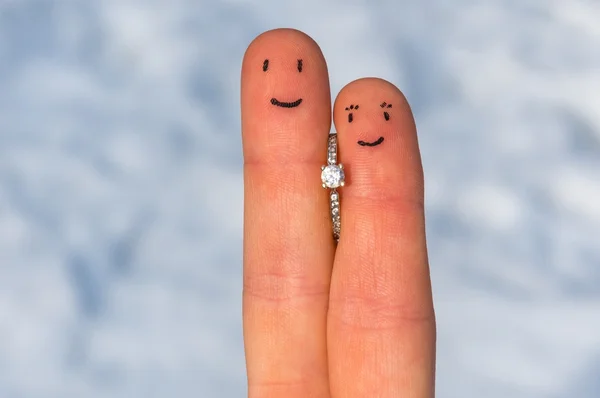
332, 176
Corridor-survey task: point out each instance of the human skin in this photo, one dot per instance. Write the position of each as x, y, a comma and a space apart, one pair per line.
325, 320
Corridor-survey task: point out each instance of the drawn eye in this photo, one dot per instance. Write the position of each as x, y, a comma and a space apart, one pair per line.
351, 107
299, 65
265, 65
385, 114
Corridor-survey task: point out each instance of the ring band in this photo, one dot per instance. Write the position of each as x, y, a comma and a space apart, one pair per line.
332, 177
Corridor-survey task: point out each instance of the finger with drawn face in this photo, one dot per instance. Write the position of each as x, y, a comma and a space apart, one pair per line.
381, 328
288, 248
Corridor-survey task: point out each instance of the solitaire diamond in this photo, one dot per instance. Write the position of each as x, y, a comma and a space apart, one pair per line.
332, 176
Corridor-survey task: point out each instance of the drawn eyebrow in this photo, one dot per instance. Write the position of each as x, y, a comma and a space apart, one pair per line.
265, 65
299, 65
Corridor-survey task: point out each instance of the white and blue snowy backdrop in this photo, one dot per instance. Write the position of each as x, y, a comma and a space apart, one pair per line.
121, 195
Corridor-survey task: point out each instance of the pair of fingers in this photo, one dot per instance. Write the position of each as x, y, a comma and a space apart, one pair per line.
323, 320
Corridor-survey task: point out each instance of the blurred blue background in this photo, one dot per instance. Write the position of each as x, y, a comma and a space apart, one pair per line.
121, 187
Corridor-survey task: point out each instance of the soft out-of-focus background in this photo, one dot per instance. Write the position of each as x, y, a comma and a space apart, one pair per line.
121, 187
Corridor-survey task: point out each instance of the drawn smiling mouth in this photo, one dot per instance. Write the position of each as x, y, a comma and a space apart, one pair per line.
294, 104
374, 143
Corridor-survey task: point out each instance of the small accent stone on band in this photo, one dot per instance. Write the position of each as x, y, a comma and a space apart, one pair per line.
332, 149
334, 200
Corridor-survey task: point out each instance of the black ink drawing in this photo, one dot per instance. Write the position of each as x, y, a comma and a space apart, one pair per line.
374, 143
385, 114
350, 117
275, 101
282, 104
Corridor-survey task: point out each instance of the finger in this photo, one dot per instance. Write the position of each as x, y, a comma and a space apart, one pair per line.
381, 331
288, 250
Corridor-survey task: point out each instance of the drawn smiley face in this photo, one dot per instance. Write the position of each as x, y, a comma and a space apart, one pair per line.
275, 101
384, 105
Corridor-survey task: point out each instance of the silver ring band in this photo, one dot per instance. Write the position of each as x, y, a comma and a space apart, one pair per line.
332, 177
336, 219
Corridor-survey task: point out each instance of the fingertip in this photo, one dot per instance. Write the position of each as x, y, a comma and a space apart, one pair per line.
285, 97
369, 91
290, 35
281, 53
378, 140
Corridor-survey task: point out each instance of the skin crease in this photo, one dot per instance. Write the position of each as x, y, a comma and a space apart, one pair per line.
321, 320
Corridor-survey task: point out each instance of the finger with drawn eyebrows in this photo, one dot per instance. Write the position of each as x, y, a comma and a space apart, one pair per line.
288, 247
381, 327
